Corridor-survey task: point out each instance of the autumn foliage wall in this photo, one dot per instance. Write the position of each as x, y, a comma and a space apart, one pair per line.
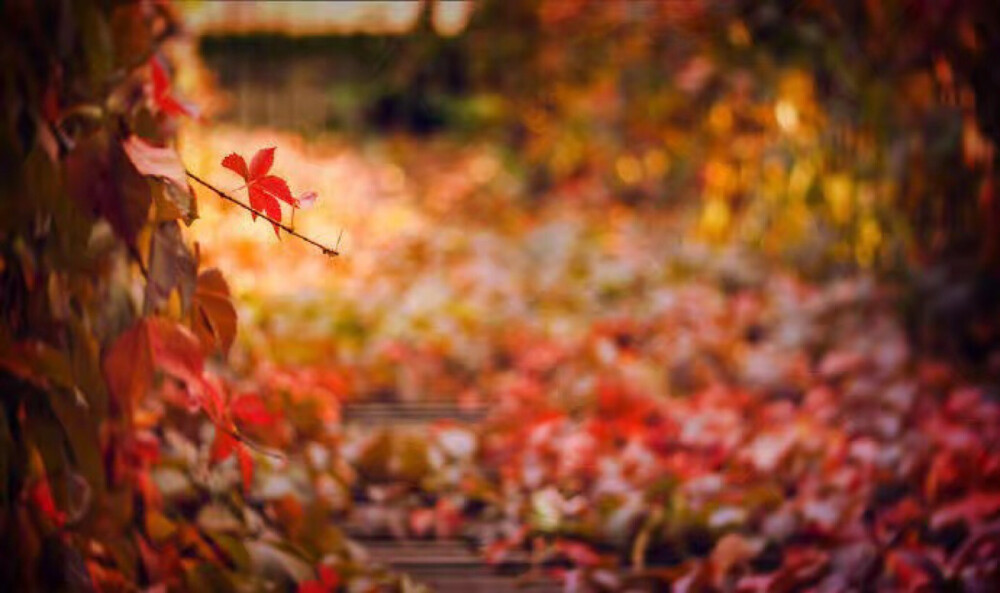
102, 300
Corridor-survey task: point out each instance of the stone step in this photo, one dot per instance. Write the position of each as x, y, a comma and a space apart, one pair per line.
495, 584
381, 413
452, 566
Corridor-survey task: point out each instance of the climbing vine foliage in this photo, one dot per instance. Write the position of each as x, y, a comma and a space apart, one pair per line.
106, 307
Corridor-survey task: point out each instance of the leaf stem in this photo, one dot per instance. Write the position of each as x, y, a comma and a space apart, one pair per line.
326, 250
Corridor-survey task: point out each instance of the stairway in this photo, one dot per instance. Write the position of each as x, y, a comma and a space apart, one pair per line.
443, 565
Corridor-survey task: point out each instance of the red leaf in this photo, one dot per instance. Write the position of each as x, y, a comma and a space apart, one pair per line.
329, 577
41, 496
261, 162
209, 392
175, 350
223, 446
265, 190
236, 164
174, 106
311, 587
276, 187
155, 161
162, 98
262, 201
250, 409
161, 82
972, 509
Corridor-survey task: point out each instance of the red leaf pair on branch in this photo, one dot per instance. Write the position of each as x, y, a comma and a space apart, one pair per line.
265, 190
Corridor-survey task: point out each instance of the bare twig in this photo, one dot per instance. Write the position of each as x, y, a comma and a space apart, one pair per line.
326, 250
249, 443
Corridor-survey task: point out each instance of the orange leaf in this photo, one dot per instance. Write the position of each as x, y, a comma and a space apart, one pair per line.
213, 315
128, 366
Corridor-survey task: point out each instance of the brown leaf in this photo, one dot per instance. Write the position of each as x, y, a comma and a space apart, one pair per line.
213, 315
171, 265
173, 202
104, 182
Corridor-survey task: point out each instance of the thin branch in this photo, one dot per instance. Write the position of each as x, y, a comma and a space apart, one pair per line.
326, 250
249, 443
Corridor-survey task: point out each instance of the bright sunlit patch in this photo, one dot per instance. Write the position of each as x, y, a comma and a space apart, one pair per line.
786, 115
657, 163
629, 169
450, 18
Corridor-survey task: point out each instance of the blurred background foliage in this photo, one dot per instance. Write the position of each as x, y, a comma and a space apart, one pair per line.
834, 135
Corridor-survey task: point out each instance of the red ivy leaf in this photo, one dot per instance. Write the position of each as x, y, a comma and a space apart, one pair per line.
264, 190
176, 350
277, 188
261, 162
223, 446
311, 587
265, 202
329, 577
236, 164
162, 98
250, 409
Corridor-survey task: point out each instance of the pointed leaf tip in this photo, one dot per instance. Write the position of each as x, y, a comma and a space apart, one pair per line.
261, 162
236, 164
